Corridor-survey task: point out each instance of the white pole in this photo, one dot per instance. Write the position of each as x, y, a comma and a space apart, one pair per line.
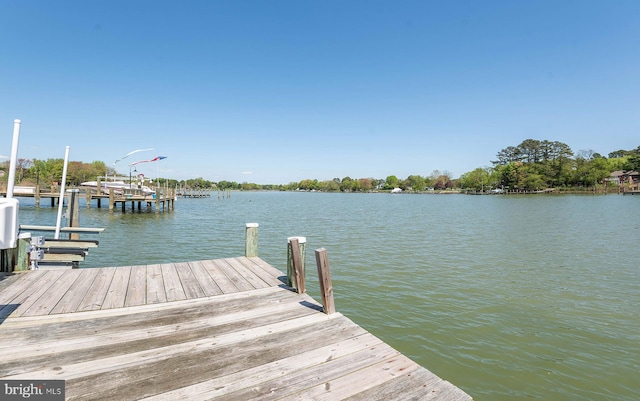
14, 158
62, 189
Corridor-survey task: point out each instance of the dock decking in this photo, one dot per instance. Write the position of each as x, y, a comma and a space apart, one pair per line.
226, 328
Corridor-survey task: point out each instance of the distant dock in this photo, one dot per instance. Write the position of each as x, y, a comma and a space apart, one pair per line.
163, 201
631, 189
227, 329
193, 193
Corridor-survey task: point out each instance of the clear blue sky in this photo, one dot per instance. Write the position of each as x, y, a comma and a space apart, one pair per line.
279, 91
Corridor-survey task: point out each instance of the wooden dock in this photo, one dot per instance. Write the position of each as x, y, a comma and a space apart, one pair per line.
215, 329
165, 199
193, 193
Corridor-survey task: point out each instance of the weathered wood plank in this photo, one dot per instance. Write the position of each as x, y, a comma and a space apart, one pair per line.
237, 300
186, 364
43, 305
18, 288
224, 283
198, 356
67, 345
352, 383
406, 387
8, 279
189, 282
97, 292
259, 381
236, 278
137, 288
282, 278
416, 385
268, 277
207, 283
302, 376
117, 289
172, 284
35, 291
155, 285
267, 343
76, 292
246, 273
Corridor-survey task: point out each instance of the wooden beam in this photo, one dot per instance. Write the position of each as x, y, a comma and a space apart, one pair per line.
326, 288
296, 257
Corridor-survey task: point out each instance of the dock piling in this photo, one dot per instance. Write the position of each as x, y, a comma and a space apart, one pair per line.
324, 275
298, 268
251, 240
73, 202
292, 276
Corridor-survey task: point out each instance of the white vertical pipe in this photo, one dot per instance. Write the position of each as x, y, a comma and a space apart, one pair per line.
62, 190
14, 158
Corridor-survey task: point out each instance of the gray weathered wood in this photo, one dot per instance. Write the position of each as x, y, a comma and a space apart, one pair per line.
75, 293
192, 288
223, 282
97, 292
155, 285
172, 283
117, 292
291, 272
137, 288
207, 283
324, 275
73, 215
264, 343
296, 260
251, 240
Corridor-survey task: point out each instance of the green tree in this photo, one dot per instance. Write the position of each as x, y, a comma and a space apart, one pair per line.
346, 184
330, 186
416, 182
391, 182
633, 160
478, 179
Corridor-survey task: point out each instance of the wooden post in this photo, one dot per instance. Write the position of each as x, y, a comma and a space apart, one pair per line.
37, 196
251, 240
292, 279
112, 200
24, 243
296, 259
87, 197
16, 259
326, 288
72, 211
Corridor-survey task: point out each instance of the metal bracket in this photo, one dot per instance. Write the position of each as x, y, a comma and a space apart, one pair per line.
35, 253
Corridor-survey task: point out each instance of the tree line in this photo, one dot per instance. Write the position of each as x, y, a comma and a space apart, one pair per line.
536, 165
532, 165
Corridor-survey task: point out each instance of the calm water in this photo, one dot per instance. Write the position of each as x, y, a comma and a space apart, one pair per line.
532, 297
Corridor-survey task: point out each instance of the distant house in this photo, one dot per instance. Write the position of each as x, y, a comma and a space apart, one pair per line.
621, 177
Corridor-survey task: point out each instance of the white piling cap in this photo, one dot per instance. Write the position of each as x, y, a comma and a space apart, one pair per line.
252, 225
301, 240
